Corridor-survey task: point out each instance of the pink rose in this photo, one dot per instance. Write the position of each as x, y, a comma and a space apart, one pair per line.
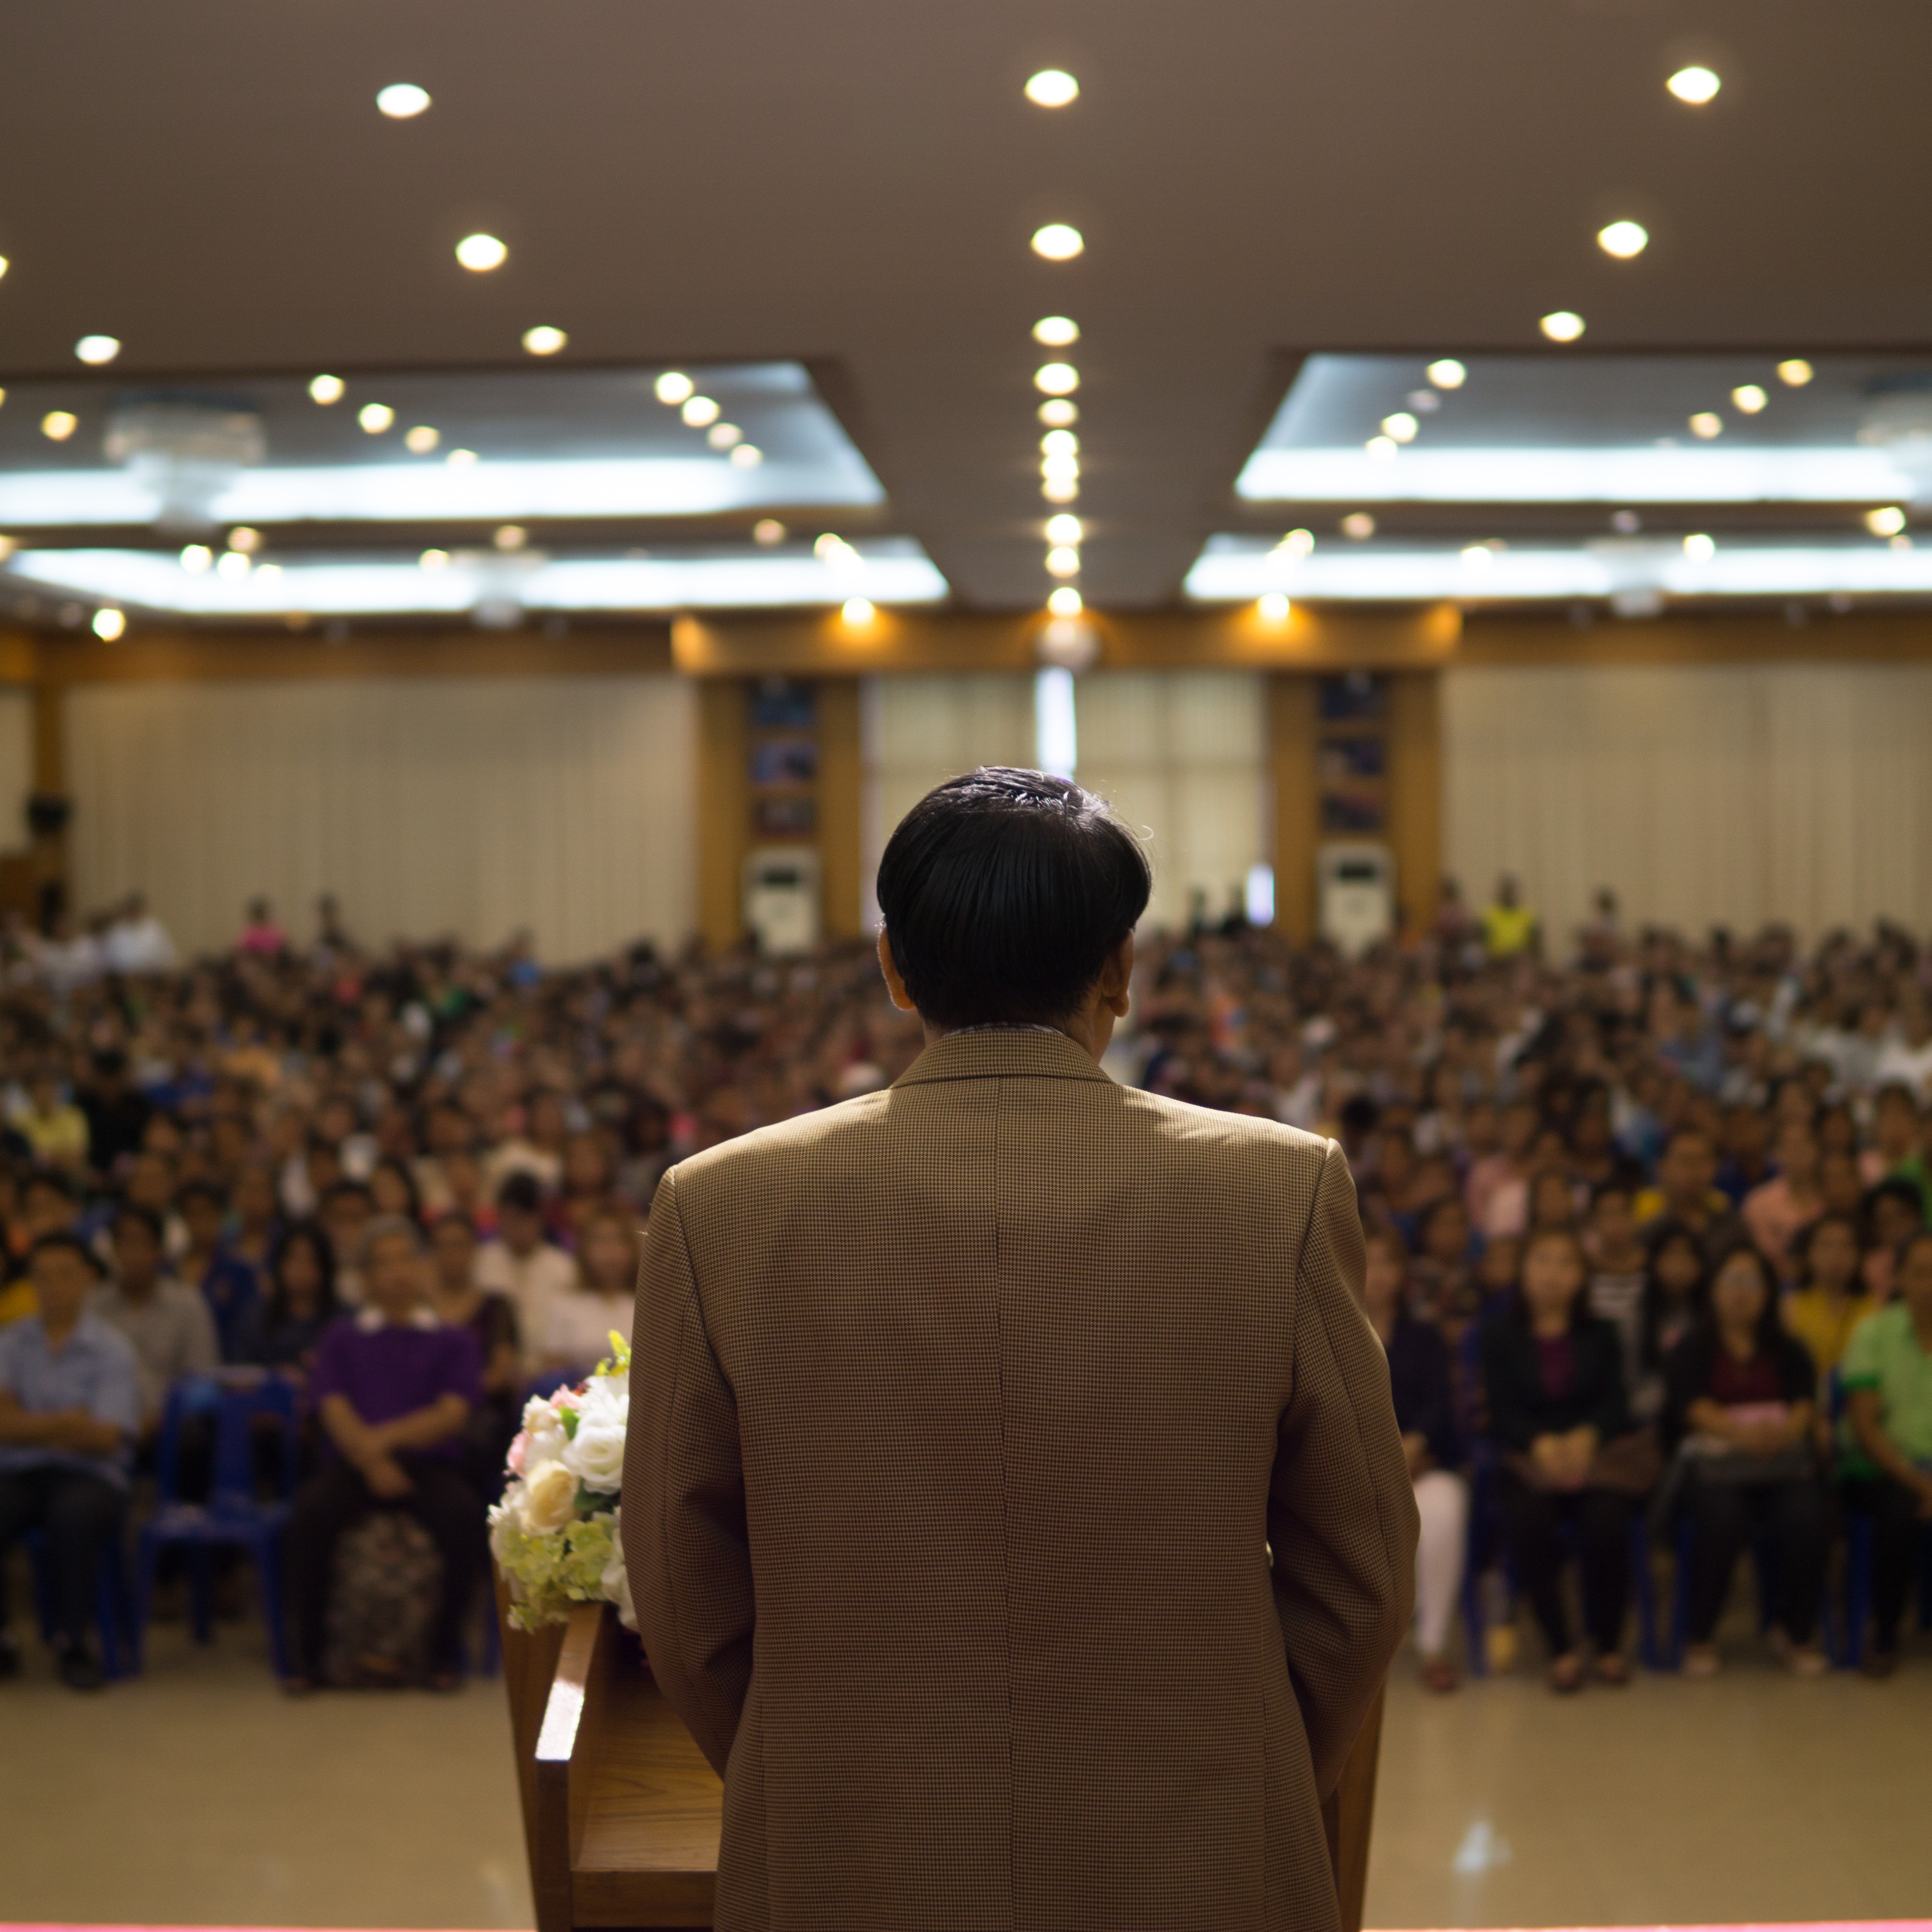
516, 1449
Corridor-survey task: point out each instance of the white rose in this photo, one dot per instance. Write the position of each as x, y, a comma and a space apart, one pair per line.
608, 1398
543, 1430
550, 1499
596, 1453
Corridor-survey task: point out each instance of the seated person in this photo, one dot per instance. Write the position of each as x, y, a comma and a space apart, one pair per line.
284, 1330
575, 1324
1829, 1300
451, 1295
1676, 1285
522, 1264
1887, 1377
1554, 1375
1425, 1405
69, 1408
167, 1323
1739, 1408
226, 1285
393, 1388
47, 1206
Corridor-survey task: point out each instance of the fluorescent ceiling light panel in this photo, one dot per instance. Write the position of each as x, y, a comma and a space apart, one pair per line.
889, 571
1236, 569
1600, 428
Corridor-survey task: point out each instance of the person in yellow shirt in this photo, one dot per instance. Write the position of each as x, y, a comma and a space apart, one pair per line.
55, 1128
1829, 1301
1509, 926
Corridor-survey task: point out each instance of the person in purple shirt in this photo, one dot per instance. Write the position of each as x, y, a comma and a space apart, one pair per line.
392, 1388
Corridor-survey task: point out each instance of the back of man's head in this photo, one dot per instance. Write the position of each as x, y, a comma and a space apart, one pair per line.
1003, 893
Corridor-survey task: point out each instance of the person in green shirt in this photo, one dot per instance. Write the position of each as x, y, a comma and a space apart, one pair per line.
1887, 1377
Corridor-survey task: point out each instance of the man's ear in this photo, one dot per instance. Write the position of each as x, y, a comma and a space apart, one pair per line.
894, 985
1117, 978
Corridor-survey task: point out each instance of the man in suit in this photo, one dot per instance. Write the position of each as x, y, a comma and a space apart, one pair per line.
965, 1417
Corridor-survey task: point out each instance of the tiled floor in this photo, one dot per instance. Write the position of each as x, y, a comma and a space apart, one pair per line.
198, 1795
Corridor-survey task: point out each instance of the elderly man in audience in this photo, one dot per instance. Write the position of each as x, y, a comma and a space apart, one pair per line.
393, 1388
69, 1410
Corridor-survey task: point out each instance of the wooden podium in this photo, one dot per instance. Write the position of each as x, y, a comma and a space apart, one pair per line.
621, 1811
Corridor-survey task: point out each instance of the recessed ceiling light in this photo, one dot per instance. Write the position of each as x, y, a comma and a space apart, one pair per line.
1057, 242
1358, 524
1707, 424
747, 456
1380, 448
722, 436
673, 387
1062, 529
1060, 469
1749, 397
421, 439
242, 538
543, 340
1062, 560
195, 559
1794, 373
480, 253
402, 100
1700, 548
511, 536
1562, 324
1272, 606
460, 459
1901, 542
1446, 373
433, 560
700, 411
1052, 87
1694, 85
1624, 239
1065, 602
1059, 443
108, 623
269, 574
375, 418
1056, 331
857, 612
1298, 543
232, 564
1886, 523
325, 389
1056, 379
1479, 557
57, 425
4, 265
1061, 490
1059, 413
768, 530
1402, 426
97, 349
832, 545
1427, 400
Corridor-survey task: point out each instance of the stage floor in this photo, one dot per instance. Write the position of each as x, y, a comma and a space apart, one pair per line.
197, 1796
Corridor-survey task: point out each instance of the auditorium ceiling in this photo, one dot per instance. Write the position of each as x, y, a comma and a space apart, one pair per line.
1292, 221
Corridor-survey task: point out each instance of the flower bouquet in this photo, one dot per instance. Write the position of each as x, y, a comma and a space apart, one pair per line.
557, 1533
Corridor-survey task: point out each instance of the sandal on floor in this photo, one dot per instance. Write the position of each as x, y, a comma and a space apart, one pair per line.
1613, 1669
1700, 1660
1566, 1676
1439, 1674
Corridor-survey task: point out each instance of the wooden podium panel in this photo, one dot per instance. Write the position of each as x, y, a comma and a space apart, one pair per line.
621, 1813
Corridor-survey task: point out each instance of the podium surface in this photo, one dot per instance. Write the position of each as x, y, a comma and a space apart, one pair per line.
622, 1814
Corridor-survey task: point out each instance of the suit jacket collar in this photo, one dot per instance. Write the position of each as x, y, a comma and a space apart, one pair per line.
1002, 1055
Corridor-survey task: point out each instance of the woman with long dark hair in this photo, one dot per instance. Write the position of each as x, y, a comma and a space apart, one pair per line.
1739, 1410
300, 1302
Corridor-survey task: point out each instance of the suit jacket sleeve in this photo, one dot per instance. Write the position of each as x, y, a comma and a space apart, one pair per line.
686, 1544
1342, 1520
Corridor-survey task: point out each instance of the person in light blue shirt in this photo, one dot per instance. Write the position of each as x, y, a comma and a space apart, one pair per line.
70, 1410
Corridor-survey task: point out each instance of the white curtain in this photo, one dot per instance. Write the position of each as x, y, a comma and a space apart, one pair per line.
1183, 757
921, 729
1700, 794
473, 808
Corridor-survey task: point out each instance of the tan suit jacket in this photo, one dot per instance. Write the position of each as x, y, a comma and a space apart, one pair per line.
961, 1416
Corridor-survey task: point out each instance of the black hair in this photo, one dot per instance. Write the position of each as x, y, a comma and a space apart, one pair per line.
336, 1189
1003, 893
67, 1243
135, 1210
50, 1177
202, 1190
1655, 1307
389, 1164
1803, 1242
1770, 1321
1536, 1237
521, 1193
312, 1236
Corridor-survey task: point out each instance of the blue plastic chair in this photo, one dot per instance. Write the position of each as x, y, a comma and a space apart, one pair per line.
119, 1631
232, 1518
